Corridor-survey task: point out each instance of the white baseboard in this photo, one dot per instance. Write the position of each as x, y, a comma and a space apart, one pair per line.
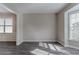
71, 46
39, 41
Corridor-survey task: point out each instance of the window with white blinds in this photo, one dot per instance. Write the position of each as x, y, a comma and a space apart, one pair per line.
74, 25
6, 25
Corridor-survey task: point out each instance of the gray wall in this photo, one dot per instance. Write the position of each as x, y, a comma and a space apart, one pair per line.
39, 27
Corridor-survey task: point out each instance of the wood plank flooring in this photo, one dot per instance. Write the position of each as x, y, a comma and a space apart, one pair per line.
31, 48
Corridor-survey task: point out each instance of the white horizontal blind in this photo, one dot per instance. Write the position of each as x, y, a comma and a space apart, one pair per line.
6, 25
74, 26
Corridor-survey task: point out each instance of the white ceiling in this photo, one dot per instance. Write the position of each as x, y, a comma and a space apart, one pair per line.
36, 7
3, 9
74, 8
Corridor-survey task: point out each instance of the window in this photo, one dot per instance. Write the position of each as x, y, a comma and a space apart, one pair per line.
74, 26
6, 25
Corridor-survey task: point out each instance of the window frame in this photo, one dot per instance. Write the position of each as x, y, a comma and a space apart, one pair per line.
4, 27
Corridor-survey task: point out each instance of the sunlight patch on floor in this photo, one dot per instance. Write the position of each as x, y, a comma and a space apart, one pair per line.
51, 47
45, 45
51, 54
39, 52
41, 44
60, 49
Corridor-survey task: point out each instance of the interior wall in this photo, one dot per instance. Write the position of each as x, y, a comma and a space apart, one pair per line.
19, 34
9, 36
61, 24
39, 27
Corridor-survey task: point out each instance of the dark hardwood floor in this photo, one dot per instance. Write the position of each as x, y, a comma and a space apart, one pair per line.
32, 48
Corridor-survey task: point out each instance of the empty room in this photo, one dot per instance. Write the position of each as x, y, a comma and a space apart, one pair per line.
39, 29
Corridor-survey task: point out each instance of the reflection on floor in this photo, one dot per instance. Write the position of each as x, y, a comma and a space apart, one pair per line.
30, 48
